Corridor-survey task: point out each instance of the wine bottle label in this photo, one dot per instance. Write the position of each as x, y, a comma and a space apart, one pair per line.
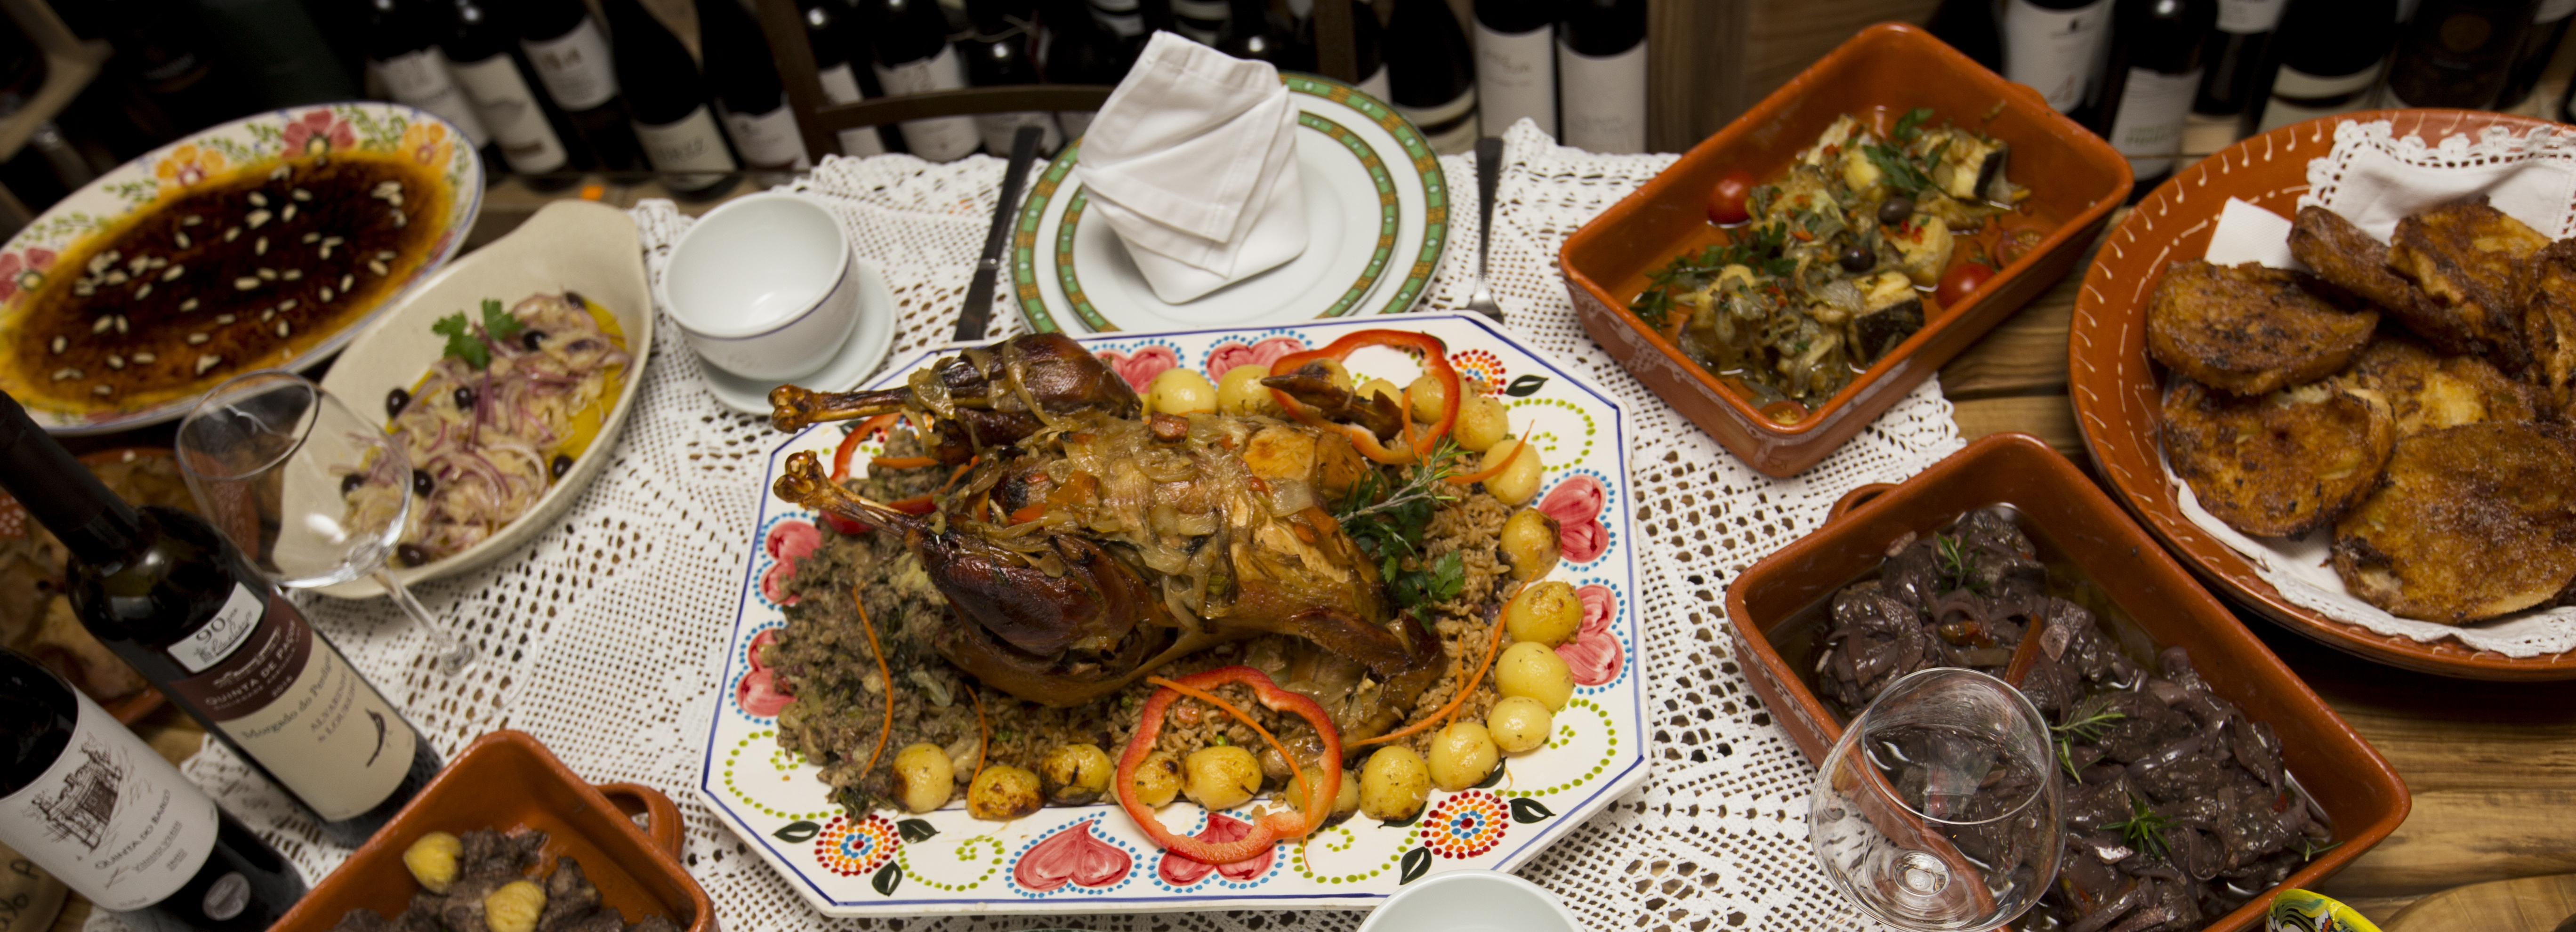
841, 86
1120, 16
768, 140
945, 139
1376, 84
293, 703
1201, 20
1450, 128
510, 110
1516, 77
110, 818
998, 128
2298, 96
575, 67
683, 147
1612, 88
2152, 110
2055, 51
420, 79
2552, 11
2249, 17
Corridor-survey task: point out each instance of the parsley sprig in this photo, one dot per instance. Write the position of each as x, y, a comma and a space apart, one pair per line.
1761, 247
469, 342
1388, 521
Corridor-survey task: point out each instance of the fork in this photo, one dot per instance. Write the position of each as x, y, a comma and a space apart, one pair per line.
1489, 168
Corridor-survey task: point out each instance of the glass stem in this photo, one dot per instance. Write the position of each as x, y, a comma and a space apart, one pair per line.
447, 654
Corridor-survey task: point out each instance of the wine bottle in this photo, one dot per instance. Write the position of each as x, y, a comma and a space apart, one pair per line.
1076, 50
1368, 50
2456, 53
1203, 21
912, 57
1969, 27
997, 55
1253, 32
532, 136
402, 48
2324, 60
668, 103
1123, 18
831, 29
2539, 45
2157, 49
2235, 55
174, 599
2056, 47
1601, 61
86, 800
573, 62
279, 50
745, 80
1516, 63
1433, 83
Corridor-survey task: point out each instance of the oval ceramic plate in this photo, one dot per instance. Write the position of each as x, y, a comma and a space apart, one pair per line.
250, 145
893, 863
577, 246
2116, 389
1377, 217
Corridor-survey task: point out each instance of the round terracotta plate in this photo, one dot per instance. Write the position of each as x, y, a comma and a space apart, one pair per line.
2115, 388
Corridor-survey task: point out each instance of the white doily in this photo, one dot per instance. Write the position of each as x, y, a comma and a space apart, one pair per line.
596, 637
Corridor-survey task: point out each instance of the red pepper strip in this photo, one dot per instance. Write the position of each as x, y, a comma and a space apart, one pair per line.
850, 443
1435, 361
1270, 829
1476, 477
901, 462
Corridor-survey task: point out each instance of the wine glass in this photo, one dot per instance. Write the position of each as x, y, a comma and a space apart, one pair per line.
1937, 811
312, 493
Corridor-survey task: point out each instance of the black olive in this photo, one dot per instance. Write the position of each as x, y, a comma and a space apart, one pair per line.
350, 483
411, 555
396, 401
1895, 210
561, 465
464, 397
421, 483
577, 300
533, 339
1858, 258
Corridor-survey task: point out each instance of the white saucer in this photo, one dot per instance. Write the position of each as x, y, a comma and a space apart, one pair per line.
859, 356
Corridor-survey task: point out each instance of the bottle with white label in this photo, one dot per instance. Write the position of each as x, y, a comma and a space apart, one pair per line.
2325, 60
914, 57
402, 49
90, 803
2056, 47
1433, 81
831, 29
174, 599
675, 118
482, 55
2235, 55
2158, 49
1516, 63
578, 72
1601, 61
740, 71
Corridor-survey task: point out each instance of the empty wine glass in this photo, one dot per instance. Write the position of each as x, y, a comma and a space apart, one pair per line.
314, 494
1937, 811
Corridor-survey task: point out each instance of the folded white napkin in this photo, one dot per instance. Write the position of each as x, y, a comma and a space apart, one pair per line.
1193, 162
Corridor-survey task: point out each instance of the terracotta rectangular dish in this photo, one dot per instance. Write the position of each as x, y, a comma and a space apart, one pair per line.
2075, 178
507, 780
2064, 512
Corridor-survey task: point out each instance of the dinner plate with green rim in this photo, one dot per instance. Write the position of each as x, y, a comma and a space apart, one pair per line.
1377, 219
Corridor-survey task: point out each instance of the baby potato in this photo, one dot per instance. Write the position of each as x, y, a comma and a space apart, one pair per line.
1348, 800
1519, 724
1075, 774
1333, 370
1518, 482
1530, 541
923, 777
1534, 670
1181, 391
1002, 793
1348, 790
1158, 779
1461, 756
1429, 394
514, 907
1394, 784
1240, 392
1381, 387
1220, 777
432, 860
1481, 423
1547, 613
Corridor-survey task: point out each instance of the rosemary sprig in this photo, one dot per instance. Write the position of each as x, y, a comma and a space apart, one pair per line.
2145, 829
1958, 564
1389, 524
2086, 722
2308, 850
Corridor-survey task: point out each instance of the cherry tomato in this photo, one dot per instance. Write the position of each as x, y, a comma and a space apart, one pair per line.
1726, 201
1962, 280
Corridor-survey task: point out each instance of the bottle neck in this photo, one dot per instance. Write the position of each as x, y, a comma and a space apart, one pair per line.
61, 493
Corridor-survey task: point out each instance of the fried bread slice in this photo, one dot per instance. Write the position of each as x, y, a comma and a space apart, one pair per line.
2470, 522
2472, 262
2250, 330
2286, 463
2350, 259
2426, 390
2549, 328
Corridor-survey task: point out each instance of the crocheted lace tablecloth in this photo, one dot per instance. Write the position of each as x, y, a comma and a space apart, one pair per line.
596, 637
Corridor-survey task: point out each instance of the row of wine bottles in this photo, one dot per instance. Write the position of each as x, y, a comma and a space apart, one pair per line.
2134, 70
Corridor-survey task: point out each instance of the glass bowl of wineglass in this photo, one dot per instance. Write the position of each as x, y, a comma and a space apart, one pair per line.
1938, 808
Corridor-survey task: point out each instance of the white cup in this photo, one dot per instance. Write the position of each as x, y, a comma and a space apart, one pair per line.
1479, 900
764, 286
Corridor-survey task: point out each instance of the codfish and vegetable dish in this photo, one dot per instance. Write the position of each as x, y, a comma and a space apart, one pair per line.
1870, 232
1049, 589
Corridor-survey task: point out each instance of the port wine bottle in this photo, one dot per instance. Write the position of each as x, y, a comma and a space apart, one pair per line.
2457, 53
1601, 62
668, 101
1434, 80
2157, 55
840, 54
913, 57
402, 48
2324, 61
2056, 46
2539, 45
535, 141
574, 64
1516, 62
1077, 49
2235, 55
997, 55
745, 80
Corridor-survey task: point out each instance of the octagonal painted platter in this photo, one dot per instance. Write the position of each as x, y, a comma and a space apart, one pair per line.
1092, 858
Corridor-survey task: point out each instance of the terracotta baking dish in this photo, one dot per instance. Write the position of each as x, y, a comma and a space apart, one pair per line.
2066, 514
507, 780
2076, 180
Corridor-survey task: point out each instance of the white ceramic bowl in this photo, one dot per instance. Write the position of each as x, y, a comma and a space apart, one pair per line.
763, 286
1472, 901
